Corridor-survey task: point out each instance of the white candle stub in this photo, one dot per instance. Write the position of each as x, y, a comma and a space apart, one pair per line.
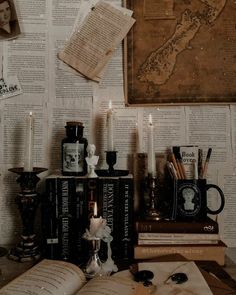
110, 128
28, 163
95, 222
151, 151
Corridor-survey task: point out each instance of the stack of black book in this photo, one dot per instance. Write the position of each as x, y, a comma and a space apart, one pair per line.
68, 205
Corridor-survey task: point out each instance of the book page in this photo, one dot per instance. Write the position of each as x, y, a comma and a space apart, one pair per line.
110, 286
91, 47
195, 284
47, 277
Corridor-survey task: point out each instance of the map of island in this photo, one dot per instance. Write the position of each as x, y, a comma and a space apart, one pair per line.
159, 65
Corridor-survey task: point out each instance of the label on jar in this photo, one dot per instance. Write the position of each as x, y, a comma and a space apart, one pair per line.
73, 157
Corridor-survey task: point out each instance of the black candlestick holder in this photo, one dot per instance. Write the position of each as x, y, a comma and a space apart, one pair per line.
27, 201
111, 158
152, 212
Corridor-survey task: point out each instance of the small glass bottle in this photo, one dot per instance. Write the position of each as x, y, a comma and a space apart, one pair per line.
73, 150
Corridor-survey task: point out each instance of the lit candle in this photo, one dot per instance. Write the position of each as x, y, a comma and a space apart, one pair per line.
110, 128
95, 222
28, 164
151, 152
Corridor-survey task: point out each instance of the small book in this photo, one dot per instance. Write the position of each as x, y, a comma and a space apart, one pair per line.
209, 226
175, 242
177, 238
214, 252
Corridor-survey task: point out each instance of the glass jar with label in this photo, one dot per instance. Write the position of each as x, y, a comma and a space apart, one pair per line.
73, 149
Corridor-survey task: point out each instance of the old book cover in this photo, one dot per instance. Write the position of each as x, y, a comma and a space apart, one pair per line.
65, 215
49, 211
215, 252
116, 206
126, 217
170, 226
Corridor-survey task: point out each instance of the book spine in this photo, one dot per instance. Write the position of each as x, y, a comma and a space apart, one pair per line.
178, 236
80, 219
191, 252
49, 210
108, 202
174, 242
210, 227
66, 188
126, 217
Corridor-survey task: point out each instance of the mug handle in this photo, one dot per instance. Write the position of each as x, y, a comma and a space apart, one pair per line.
222, 197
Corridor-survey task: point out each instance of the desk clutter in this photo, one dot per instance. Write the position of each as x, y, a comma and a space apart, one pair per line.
181, 198
90, 218
194, 240
69, 202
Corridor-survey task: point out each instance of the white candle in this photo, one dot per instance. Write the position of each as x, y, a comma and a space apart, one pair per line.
95, 222
138, 139
28, 164
110, 128
151, 152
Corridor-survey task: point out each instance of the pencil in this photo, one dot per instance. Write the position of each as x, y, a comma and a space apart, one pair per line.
181, 165
206, 163
195, 167
173, 159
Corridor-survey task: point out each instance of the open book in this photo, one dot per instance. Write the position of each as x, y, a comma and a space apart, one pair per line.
63, 278
53, 277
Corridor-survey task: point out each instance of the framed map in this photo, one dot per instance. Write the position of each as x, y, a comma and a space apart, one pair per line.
181, 51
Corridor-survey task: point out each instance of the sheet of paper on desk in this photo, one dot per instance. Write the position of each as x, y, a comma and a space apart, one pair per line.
196, 283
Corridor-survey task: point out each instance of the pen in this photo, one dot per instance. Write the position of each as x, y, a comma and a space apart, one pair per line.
206, 163
200, 168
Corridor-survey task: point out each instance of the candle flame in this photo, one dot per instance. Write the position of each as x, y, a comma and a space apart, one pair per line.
95, 209
31, 113
110, 104
150, 119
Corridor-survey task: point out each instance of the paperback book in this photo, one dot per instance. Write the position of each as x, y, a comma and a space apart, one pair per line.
68, 205
177, 238
170, 226
214, 252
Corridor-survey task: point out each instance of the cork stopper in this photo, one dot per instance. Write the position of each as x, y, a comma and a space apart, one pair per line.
74, 123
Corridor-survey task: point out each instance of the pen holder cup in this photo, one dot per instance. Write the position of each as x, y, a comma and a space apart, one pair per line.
190, 200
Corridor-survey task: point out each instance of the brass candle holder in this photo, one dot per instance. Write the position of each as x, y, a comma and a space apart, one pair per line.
27, 201
152, 213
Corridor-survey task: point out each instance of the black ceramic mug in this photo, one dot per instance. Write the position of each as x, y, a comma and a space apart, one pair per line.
190, 199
